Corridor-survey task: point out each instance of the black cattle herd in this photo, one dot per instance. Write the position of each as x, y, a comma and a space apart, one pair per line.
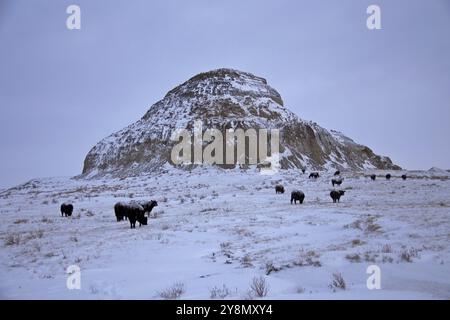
135, 211
297, 195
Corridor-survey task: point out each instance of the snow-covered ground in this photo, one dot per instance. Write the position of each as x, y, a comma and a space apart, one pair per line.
215, 230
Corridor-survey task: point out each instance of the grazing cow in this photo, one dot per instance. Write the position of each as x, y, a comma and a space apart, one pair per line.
388, 176
297, 195
373, 177
135, 212
279, 188
404, 176
66, 209
336, 181
148, 205
314, 175
120, 211
337, 173
336, 195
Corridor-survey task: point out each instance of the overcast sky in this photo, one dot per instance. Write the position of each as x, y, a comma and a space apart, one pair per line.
61, 91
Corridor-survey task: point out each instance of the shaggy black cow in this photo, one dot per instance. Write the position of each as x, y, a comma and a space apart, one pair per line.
297, 196
314, 175
404, 176
120, 211
134, 211
66, 209
388, 176
336, 181
337, 173
279, 188
303, 171
373, 177
148, 205
336, 195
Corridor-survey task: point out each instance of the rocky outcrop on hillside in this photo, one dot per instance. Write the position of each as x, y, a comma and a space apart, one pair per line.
225, 99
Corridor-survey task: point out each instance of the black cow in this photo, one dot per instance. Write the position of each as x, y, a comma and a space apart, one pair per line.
373, 177
404, 176
337, 173
66, 209
120, 211
314, 175
336, 195
133, 211
303, 171
279, 188
336, 181
297, 195
148, 205
388, 176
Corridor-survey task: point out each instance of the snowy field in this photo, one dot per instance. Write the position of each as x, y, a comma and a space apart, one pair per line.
214, 231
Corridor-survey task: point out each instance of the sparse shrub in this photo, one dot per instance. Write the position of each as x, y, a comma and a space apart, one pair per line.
12, 239
259, 287
37, 234
337, 282
50, 255
89, 213
353, 257
409, 254
308, 258
173, 292
247, 261
46, 220
373, 227
45, 202
225, 248
370, 256
270, 267
21, 221
386, 248
357, 242
354, 225
219, 293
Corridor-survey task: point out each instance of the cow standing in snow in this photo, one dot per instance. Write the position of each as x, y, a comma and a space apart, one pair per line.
336, 195
314, 175
297, 195
279, 189
336, 181
66, 209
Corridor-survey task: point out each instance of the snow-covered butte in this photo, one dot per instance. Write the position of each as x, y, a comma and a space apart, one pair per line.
223, 99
